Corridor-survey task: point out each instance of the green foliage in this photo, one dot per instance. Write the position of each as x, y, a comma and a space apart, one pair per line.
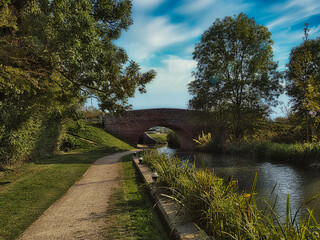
37, 136
206, 143
91, 114
173, 140
303, 85
296, 153
281, 130
66, 50
203, 139
219, 209
54, 55
236, 77
132, 215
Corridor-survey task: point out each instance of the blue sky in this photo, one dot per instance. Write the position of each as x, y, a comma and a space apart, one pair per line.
165, 32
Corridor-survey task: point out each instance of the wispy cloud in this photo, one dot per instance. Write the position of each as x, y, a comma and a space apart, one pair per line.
146, 4
191, 6
292, 12
149, 35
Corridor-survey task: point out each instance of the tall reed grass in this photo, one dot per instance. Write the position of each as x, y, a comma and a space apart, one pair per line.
298, 153
217, 207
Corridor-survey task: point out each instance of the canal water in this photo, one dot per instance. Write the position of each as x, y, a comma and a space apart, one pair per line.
300, 182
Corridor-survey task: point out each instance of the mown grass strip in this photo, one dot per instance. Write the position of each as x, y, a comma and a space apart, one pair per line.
132, 215
31, 188
160, 138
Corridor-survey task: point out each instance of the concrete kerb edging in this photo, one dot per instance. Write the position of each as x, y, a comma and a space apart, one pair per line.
180, 225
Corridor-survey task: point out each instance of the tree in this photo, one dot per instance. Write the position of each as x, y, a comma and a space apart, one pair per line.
303, 83
63, 50
236, 76
56, 53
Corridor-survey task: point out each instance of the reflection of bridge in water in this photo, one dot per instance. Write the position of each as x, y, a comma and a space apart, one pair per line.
131, 125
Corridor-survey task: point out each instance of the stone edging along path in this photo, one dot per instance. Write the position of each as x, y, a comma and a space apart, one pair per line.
179, 224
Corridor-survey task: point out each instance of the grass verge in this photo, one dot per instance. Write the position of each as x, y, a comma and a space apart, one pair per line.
132, 215
30, 189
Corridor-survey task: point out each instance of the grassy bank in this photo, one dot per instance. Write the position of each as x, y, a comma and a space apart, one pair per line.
306, 153
132, 215
160, 138
91, 136
217, 207
28, 190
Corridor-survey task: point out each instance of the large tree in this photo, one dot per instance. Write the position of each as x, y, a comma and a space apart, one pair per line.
64, 49
56, 53
236, 76
303, 83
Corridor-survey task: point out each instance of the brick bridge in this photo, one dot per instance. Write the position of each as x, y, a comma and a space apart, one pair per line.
131, 125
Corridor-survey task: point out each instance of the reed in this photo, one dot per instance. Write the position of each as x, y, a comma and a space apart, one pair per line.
298, 153
216, 205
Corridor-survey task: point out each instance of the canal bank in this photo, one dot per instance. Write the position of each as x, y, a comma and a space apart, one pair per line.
275, 180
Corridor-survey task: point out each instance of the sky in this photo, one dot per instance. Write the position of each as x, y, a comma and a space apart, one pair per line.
164, 34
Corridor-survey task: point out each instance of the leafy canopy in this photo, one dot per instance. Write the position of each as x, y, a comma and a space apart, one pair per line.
53, 55
236, 76
62, 51
303, 81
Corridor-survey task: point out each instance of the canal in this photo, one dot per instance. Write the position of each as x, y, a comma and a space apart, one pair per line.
300, 182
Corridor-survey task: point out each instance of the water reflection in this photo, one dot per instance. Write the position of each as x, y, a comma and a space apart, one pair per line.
301, 183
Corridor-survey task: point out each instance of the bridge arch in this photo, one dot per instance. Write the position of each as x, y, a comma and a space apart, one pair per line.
133, 124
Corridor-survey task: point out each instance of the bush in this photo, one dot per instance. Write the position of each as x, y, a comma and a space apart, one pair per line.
173, 140
34, 137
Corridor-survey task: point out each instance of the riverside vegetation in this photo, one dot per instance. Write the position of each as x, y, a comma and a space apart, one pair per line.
217, 207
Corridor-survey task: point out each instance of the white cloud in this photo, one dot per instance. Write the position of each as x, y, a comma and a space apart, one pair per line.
146, 4
175, 73
314, 31
149, 35
286, 39
292, 12
170, 88
209, 11
192, 6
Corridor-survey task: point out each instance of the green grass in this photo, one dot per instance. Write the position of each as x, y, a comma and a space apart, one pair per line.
160, 138
132, 215
28, 190
91, 136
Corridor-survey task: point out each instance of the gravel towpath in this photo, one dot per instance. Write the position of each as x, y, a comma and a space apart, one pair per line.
81, 212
